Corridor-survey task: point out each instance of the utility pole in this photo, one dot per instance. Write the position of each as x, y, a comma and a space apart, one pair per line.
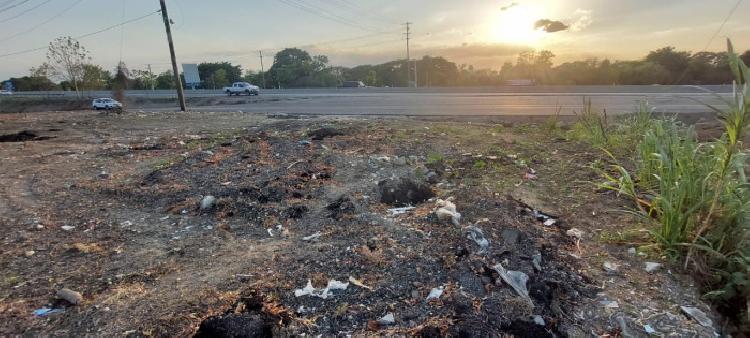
408, 54
151, 77
177, 81
262, 70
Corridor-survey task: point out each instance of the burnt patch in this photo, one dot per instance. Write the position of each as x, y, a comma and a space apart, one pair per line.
404, 192
324, 132
23, 136
340, 207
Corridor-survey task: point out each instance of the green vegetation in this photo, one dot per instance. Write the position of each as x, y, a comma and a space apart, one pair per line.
695, 194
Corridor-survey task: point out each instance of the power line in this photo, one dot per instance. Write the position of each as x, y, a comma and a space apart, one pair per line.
24, 12
87, 34
13, 6
358, 10
713, 37
299, 4
59, 14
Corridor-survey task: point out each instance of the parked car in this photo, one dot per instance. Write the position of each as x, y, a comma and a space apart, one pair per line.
239, 88
6, 92
106, 103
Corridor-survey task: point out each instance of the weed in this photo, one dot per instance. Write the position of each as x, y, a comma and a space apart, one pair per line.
480, 165
435, 158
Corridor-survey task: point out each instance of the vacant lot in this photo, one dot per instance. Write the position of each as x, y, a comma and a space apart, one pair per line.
214, 223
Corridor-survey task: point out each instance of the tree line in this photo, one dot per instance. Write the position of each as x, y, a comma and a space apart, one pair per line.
69, 67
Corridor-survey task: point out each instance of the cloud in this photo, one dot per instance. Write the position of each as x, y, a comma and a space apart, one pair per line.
550, 26
581, 19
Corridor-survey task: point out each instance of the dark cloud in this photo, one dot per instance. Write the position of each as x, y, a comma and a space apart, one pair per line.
550, 26
509, 6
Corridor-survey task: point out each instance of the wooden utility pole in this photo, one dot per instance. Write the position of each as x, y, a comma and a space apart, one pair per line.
177, 81
262, 71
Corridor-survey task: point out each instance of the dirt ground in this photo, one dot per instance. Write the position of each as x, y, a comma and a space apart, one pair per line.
116, 209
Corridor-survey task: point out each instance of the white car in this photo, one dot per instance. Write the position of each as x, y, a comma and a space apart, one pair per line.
239, 88
106, 103
6, 92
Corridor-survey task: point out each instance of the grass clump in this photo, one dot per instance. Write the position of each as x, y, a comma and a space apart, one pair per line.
697, 194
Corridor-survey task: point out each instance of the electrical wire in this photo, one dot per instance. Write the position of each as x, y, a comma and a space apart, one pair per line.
26, 11
122, 31
358, 10
59, 14
301, 5
87, 34
13, 6
713, 37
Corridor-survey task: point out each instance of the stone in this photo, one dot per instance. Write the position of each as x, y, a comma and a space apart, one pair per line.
632, 251
432, 177
538, 320
652, 267
609, 267
208, 202
70, 296
387, 320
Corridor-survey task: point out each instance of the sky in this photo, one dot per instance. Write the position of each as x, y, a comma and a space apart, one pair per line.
483, 33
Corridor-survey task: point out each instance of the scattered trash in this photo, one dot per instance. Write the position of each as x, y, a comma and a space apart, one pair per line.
359, 283
67, 227
103, 175
43, 312
536, 260
29, 253
516, 279
69, 295
475, 234
305, 142
387, 320
530, 176
632, 251
698, 315
649, 329
548, 220
575, 233
610, 304
313, 237
208, 202
399, 211
309, 290
609, 267
447, 212
435, 293
538, 320
270, 232
652, 267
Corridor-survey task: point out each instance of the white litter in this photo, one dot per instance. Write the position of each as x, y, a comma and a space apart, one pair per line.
516, 279
447, 212
313, 237
399, 211
67, 227
359, 283
309, 290
435, 294
475, 234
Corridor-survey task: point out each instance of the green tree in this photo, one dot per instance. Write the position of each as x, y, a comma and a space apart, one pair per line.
673, 61
207, 72
94, 77
165, 80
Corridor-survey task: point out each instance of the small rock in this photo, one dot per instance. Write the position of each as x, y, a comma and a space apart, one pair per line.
698, 315
610, 304
652, 267
609, 267
103, 175
575, 233
432, 177
387, 320
208, 202
29, 253
69, 295
632, 251
538, 320
537, 261
67, 227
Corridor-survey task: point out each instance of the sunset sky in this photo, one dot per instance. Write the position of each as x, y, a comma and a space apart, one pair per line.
484, 33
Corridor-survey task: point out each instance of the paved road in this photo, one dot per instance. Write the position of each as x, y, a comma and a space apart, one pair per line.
482, 101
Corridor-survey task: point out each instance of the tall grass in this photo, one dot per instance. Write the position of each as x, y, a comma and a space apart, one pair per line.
698, 196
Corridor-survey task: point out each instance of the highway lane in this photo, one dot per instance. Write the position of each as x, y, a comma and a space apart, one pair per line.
448, 104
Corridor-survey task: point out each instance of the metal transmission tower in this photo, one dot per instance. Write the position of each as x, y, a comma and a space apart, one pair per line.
408, 58
177, 81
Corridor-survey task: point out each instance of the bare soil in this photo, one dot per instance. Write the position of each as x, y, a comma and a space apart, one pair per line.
109, 206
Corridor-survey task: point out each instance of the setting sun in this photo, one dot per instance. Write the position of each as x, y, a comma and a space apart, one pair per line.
516, 25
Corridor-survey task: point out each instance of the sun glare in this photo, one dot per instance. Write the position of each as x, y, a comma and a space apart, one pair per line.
516, 25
